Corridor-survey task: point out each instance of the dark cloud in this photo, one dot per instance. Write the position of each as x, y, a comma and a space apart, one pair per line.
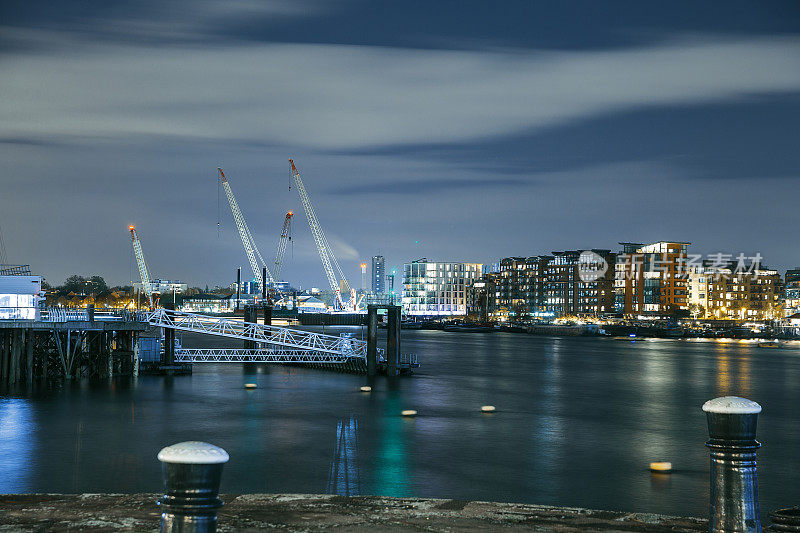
417, 187
750, 138
449, 24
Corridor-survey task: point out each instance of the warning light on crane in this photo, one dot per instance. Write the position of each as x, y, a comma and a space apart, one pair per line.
137, 250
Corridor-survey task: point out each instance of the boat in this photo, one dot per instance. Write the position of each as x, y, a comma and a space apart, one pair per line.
769, 344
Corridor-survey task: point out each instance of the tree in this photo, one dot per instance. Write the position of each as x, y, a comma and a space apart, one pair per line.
697, 311
81, 285
520, 311
96, 284
74, 283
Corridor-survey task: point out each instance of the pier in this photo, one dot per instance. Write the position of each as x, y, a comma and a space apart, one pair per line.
66, 344
69, 344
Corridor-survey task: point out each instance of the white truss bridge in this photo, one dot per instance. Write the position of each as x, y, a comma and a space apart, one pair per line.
259, 355
276, 344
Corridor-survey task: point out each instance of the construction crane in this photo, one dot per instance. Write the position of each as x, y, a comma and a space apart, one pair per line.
286, 236
137, 251
249, 244
329, 261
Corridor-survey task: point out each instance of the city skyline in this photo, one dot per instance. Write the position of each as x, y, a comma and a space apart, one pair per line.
543, 127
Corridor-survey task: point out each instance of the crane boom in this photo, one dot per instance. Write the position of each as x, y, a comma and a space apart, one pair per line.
286, 235
249, 244
137, 251
324, 249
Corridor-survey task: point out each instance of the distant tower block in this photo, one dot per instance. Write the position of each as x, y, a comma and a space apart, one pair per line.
378, 274
363, 276
344, 286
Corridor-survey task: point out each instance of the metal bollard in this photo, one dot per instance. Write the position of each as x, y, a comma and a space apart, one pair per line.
192, 472
733, 502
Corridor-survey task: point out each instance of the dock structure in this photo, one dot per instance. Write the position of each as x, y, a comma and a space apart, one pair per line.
81, 343
69, 344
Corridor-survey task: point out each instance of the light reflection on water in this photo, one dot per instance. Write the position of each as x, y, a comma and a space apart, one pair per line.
578, 422
16, 444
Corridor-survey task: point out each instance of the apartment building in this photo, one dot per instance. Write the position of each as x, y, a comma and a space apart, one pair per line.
650, 279
432, 288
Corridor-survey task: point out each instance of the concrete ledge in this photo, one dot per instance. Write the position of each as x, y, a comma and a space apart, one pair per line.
253, 512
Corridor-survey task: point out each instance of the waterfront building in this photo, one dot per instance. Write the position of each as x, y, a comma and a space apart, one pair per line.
433, 288
482, 297
20, 296
159, 286
208, 304
650, 279
566, 283
791, 292
519, 286
310, 304
577, 283
721, 292
378, 274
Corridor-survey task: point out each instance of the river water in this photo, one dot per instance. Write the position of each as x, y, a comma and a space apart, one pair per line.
578, 421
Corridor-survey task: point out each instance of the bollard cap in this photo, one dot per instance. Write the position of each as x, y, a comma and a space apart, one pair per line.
732, 421
193, 452
731, 405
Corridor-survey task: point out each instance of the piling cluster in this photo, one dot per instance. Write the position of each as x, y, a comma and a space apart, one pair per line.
40, 351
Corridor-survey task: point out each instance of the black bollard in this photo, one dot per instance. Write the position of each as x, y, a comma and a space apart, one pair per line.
733, 496
192, 472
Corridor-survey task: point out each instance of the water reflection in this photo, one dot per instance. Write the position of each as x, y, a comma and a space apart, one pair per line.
577, 424
16, 444
391, 475
343, 476
723, 375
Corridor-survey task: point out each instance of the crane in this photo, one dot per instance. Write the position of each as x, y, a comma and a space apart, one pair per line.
286, 235
329, 261
137, 250
249, 244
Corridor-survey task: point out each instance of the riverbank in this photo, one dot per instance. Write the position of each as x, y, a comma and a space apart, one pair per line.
250, 512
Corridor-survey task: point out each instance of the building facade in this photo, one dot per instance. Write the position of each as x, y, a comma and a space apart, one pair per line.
432, 288
650, 279
20, 296
482, 297
518, 282
378, 274
578, 283
791, 292
566, 283
725, 293
160, 286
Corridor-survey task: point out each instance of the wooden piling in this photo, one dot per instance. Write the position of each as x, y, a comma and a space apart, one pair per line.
393, 341
29, 359
372, 340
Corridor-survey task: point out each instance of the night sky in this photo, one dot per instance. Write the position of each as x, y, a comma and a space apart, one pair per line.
457, 131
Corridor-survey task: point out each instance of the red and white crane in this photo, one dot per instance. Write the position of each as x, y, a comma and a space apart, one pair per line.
286, 236
329, 261
249, 244
137, 251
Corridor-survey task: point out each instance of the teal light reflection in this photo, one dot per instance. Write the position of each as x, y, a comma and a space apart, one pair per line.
391, 470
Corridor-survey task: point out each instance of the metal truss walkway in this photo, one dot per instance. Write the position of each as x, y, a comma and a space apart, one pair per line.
276, 344
277, 355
